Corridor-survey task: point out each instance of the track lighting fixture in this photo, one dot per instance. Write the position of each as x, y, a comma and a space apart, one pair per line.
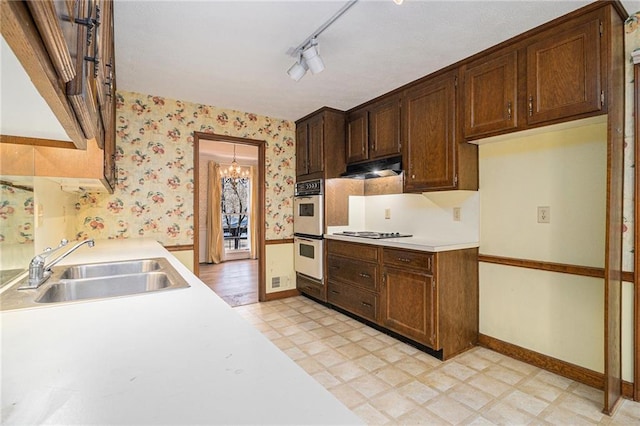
298, 70
307, 52
312, 57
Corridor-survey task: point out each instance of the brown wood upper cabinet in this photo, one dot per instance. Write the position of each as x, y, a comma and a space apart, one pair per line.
428, 123
320, 145
374, 131
552, 76
563, 72
490, 89
75, 73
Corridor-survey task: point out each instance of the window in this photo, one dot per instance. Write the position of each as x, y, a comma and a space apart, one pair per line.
235, 213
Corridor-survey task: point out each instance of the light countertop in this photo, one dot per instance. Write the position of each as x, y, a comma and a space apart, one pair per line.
177, 357
410, 243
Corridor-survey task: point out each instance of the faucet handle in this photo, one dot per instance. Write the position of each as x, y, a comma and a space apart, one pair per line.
49, 250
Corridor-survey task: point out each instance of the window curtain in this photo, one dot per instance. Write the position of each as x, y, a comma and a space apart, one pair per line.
253, 214
215, 248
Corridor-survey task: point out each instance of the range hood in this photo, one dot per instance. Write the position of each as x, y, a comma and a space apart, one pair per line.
376, 168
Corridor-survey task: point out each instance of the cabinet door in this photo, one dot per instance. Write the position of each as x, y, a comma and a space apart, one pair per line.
490, 95
301, 149
563, 73
428, 122
384, 128
105, 71
315, 144
408, 305
357, 136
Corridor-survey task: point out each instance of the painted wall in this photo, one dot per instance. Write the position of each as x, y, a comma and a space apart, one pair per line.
559, 315
279, 263
428, 215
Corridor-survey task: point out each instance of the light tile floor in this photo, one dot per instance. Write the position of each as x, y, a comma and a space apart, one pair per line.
385, 381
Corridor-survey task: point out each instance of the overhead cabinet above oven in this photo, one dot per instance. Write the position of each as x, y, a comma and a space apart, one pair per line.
320, 145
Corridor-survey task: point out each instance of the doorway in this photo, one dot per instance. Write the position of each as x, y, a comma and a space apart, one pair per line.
238, 279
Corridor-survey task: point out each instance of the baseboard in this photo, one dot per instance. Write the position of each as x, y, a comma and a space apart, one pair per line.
281, 295
554, 365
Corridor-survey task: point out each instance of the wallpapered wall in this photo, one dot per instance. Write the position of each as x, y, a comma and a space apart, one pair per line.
632, 42
154, 194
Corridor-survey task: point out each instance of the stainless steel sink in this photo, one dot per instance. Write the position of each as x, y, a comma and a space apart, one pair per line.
110, 269
76, 283
98, 288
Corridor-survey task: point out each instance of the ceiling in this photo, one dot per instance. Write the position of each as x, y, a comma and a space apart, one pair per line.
233, 54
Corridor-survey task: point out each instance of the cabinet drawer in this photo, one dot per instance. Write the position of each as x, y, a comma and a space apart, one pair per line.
354, 300
356, 272
409, 259
352, 250
310, 287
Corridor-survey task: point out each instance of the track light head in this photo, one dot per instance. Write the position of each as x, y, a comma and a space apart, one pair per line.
298, 70
312, 57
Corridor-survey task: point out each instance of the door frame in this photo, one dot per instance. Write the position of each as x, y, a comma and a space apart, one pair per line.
261, 245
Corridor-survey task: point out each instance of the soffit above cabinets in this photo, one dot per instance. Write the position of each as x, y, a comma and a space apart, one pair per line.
23, 112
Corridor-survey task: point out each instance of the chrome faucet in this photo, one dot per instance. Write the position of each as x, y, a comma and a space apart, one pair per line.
40, 271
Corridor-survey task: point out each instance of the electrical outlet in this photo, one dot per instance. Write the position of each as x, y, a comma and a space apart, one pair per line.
544, 214
387, 213
456, 214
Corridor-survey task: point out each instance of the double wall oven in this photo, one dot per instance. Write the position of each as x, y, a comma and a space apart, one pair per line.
308, 229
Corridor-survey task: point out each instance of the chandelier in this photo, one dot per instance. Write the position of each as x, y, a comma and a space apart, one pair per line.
234, 171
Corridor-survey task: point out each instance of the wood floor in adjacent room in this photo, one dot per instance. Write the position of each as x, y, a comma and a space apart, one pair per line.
236, 281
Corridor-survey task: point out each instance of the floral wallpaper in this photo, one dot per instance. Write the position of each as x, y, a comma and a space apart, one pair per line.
16, 226
154, 156
16, 215
632, 42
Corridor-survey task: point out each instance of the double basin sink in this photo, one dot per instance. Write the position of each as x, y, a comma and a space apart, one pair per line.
73, 283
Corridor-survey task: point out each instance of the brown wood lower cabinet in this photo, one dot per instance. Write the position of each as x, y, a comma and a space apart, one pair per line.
310, 287
429, 298
353, 299
408, 305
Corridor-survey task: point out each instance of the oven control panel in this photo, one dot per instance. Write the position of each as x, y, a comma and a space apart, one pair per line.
309, 187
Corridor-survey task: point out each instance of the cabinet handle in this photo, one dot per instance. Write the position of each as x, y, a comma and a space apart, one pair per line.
530, 105
335, 292
404, 259
363, 275
509, 110
334, 267
368, 305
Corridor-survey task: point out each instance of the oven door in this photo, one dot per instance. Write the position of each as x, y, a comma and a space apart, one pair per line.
308, 215
308, 256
